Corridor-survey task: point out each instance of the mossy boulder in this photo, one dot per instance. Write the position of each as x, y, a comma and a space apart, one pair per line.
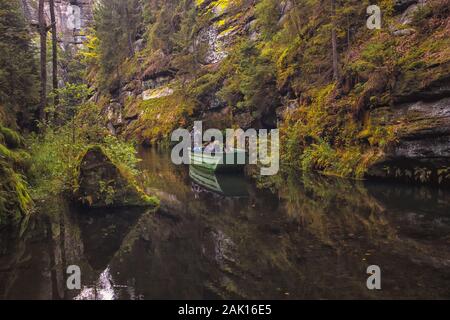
10, 138
102, 183
15, 200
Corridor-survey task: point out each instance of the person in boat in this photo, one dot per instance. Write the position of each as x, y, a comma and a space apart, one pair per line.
213, 146
195, 135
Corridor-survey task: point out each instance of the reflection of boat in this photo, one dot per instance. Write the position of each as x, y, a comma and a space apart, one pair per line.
229, 185
220, 162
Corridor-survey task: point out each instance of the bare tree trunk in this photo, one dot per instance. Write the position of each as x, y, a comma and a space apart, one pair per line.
43, 40
336, 76
54, 51
130, 35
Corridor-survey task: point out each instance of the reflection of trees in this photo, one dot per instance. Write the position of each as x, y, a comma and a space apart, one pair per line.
399, 227
332, 209
38, 257
298, 237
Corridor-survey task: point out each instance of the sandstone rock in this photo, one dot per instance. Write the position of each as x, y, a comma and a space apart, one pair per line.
132, 110
218, 118
72, 17
114, 113
215, 45
434, 84
139, 45
403, 32
103, 184
422, 152
157, 93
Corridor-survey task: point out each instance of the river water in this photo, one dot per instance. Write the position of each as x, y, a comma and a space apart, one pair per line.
221, 237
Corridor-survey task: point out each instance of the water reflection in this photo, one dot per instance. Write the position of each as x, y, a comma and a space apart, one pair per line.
102, 290
228, 185
290, 237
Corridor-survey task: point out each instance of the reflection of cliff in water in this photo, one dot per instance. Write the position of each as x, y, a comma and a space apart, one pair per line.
291, 237
36, 262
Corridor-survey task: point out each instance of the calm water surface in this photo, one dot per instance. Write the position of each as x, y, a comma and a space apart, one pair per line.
221, 237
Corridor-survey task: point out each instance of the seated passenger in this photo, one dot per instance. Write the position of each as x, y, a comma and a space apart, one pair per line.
213, 146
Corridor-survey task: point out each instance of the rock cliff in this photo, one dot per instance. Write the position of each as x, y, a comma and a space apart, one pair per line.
72, 18
267, 64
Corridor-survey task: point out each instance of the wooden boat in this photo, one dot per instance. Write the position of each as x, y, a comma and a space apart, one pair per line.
220, 162
229, 185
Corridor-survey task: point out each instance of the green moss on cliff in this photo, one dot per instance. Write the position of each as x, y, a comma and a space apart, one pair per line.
276, 69
159, 117
15, 200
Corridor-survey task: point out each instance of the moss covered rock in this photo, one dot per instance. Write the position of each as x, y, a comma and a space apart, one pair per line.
421, 151
101, 183
11, 138
15, 201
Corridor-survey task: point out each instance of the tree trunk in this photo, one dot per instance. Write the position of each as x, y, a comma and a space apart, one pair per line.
54, 51
130, 35
43, 40
336, 76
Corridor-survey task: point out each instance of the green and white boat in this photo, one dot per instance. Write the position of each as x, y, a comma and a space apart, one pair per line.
219, 162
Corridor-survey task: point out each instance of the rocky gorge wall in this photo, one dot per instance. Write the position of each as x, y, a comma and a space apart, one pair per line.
388, 117
72, 18
419, 112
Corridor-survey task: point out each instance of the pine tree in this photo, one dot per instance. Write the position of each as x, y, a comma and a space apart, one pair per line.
18, 71
54, 51
116, 25
43, 60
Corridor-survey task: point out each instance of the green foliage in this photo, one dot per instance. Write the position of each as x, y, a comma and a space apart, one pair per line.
323, 136
108, 191
54, 161
11, 138
322, 157
287, 61
71, 97
18, 72
268, 15
318, 157
56, 158
15, 201
253, 86
160, 117
121, 153
117, 24
75, 125
74, 63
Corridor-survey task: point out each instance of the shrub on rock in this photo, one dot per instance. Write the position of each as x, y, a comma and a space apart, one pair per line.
101, 183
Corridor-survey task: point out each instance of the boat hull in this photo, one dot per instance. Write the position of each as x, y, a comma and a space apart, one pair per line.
224, 162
